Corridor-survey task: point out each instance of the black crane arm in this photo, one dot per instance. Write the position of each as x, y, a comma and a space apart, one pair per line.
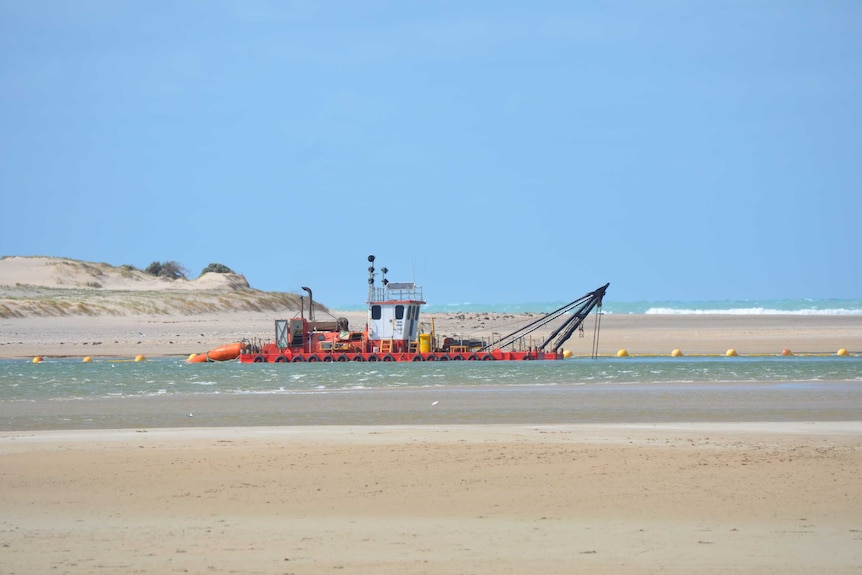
567, 329
580, 309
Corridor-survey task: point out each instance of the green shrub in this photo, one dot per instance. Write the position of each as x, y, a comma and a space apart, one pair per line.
154, 269
171, 269
217, 269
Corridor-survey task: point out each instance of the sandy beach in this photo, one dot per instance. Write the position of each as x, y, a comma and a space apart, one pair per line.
684, 498
521, 497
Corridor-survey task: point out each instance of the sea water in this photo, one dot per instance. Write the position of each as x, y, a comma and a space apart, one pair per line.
803, 306
70, 394
68, 379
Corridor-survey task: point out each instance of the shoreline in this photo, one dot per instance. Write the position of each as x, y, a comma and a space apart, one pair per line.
180, 336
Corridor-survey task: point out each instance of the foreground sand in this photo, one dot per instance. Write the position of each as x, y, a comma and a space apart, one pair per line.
671, 498
181, 335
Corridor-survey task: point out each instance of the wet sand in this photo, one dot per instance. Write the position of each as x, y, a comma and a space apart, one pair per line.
445, 406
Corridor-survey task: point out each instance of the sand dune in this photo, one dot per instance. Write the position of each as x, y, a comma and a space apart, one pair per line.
65, 273
51, 287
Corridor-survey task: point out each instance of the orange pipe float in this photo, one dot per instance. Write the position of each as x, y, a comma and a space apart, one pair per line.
225, 352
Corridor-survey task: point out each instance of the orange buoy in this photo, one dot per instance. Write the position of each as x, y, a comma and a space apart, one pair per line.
786, 351
225, 352
38, 359
139, 358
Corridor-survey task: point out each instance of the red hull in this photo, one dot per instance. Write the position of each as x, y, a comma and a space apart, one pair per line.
271, 354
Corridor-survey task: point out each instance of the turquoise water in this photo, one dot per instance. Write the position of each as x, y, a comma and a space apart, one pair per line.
70, 394
72, 379
733, 307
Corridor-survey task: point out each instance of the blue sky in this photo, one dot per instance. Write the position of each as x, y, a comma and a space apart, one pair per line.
493, 151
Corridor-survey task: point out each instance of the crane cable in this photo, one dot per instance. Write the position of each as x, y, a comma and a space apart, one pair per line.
596, 332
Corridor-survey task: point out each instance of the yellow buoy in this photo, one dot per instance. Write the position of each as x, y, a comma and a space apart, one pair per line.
786, 351
139, 358
622, 353
730, 353
192, 356
37, 359
842, 351
87, 359
567, 353
675, 353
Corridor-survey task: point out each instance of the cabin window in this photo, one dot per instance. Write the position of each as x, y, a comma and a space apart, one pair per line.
375, 312
399, 312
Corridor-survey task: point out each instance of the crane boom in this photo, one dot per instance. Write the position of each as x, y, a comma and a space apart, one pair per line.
579, 310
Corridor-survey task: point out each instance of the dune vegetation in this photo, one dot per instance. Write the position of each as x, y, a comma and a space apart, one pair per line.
45, 286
